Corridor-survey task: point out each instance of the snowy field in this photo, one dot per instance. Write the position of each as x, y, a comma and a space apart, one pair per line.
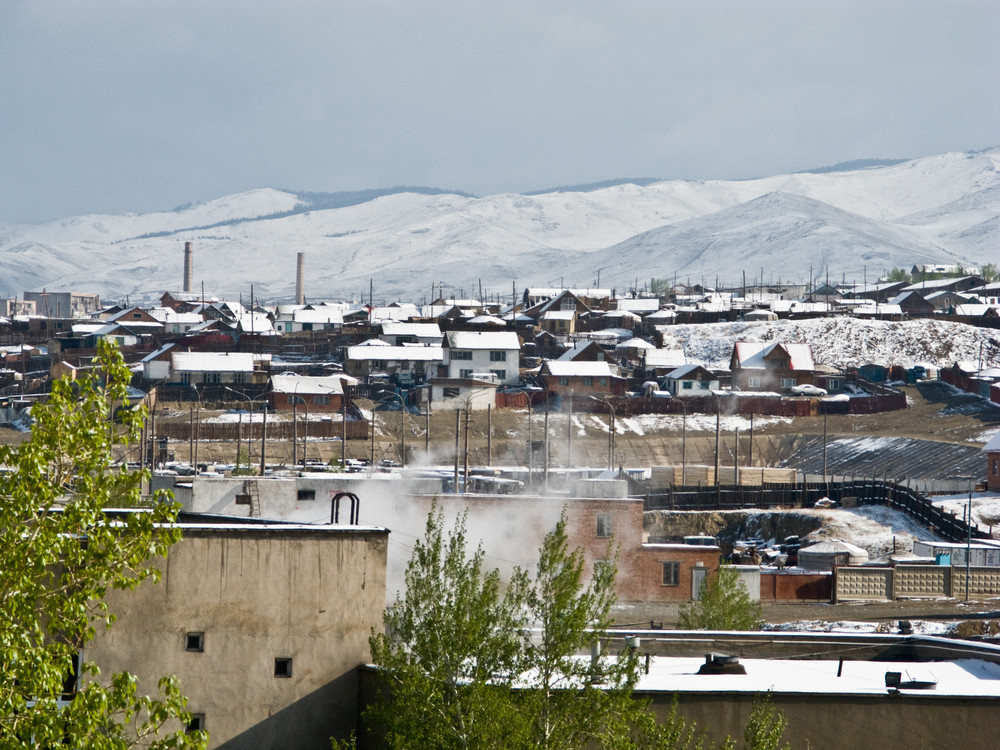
985, 507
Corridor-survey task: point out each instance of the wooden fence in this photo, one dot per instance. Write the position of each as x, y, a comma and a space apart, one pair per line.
231, 431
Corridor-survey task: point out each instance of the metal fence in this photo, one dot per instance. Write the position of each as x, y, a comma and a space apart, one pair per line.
804, 495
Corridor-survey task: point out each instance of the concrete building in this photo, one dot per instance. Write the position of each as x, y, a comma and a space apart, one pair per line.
264, 626
467, 354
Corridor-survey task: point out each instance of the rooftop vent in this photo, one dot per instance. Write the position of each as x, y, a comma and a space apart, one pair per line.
721, 664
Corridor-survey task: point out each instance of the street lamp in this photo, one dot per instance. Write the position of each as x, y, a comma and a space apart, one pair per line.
263, 432
402, 426
195, 425
611, 431
684, 424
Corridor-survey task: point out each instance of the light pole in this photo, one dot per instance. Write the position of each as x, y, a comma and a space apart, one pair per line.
263, 434
195, 429
611, 431
684, 425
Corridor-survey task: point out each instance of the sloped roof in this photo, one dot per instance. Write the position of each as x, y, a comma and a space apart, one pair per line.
665, 357
993, 445
750, 355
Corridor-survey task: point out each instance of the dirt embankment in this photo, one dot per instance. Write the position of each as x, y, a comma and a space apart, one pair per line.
727, 526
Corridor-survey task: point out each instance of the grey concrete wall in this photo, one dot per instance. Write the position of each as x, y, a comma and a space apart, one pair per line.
311, 595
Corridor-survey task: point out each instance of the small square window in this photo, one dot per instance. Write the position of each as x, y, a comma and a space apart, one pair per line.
283, 667
197, 723
306, 495
243, 499
605, 525
194, 641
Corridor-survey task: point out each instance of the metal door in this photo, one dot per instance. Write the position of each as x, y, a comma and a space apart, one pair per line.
697, 581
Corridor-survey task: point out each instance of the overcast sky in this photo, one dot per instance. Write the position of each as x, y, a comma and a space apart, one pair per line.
140, 105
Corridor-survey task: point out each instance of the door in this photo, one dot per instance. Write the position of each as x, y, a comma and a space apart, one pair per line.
697, 581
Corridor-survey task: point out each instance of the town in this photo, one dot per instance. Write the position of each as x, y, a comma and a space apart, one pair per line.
265, 421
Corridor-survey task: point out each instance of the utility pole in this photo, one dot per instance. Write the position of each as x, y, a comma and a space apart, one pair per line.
458, 413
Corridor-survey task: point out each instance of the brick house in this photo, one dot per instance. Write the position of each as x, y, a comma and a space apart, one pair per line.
583, 378
759, 366
320, 394
992, 451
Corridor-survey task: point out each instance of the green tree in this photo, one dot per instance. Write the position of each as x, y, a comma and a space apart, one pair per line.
724, 604
451, 649
990, 273
570, 700
764, 728
59, 555
897, 275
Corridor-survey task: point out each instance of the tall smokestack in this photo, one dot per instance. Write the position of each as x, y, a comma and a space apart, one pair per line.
300, 291
188, 266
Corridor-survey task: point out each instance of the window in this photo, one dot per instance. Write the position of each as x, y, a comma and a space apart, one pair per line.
567, 303
461, 354
197, 723
296, 399
753, 382
465, 373
671, 573
686, 385
498, 356
185, 377
833, 384
588, 381
194, 641
788, 382
321, 400
564, 382
451, 392
501, 374
239, 378
996, 467
605, 525
604, 382
283, 667
137, 316
306, 495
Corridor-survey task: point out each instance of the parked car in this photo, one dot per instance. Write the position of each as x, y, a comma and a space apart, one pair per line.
808, 389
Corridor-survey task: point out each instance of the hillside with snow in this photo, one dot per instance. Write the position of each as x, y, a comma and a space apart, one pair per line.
845, 342
940, 209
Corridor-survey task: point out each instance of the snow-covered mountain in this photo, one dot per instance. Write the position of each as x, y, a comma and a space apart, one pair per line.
940, 209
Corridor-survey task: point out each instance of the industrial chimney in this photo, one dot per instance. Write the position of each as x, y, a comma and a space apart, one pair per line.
188, 266
300, 292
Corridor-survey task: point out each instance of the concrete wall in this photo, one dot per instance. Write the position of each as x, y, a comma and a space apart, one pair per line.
843, 722
257, 594
915, 581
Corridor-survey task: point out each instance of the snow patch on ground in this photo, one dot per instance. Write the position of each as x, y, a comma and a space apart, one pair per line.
985, 507
920, 627
876, 528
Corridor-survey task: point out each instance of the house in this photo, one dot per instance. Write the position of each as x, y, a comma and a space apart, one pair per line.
174, 322
757, 366
318, 394
690, 380
469, 353
587, 351
12, 307
186, 301
583, 378
992, 451
400, 333
410, 363
659, 362
473, 393
912, 302
296, 318
558, 322
947, 300
263, 624
215, 368
952, 284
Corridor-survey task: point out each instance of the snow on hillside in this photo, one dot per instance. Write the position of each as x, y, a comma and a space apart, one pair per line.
937, 209
844, 342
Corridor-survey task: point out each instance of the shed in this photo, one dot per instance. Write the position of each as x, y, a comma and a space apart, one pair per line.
827, 555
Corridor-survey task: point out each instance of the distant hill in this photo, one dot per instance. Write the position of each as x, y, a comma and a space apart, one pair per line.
857, 218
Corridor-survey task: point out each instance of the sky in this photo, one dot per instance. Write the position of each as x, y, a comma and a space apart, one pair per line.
125, 106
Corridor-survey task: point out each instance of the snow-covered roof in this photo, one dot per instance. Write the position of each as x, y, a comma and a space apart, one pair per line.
639, 304
482, 340
635, 344
400, 328
212, 362
572, 369
934, 284
559, 315
665, 357
682, 372
993, 445
391, 353
305, 384
750, 354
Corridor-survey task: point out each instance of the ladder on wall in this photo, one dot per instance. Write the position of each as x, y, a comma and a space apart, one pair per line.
251, 490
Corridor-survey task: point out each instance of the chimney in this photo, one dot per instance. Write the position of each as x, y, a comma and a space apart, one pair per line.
188, 266
300, 292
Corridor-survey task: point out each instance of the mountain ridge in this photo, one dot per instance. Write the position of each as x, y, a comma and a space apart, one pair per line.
939, 209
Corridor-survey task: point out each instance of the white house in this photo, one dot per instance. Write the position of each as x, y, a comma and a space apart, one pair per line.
468, 354
398, 333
